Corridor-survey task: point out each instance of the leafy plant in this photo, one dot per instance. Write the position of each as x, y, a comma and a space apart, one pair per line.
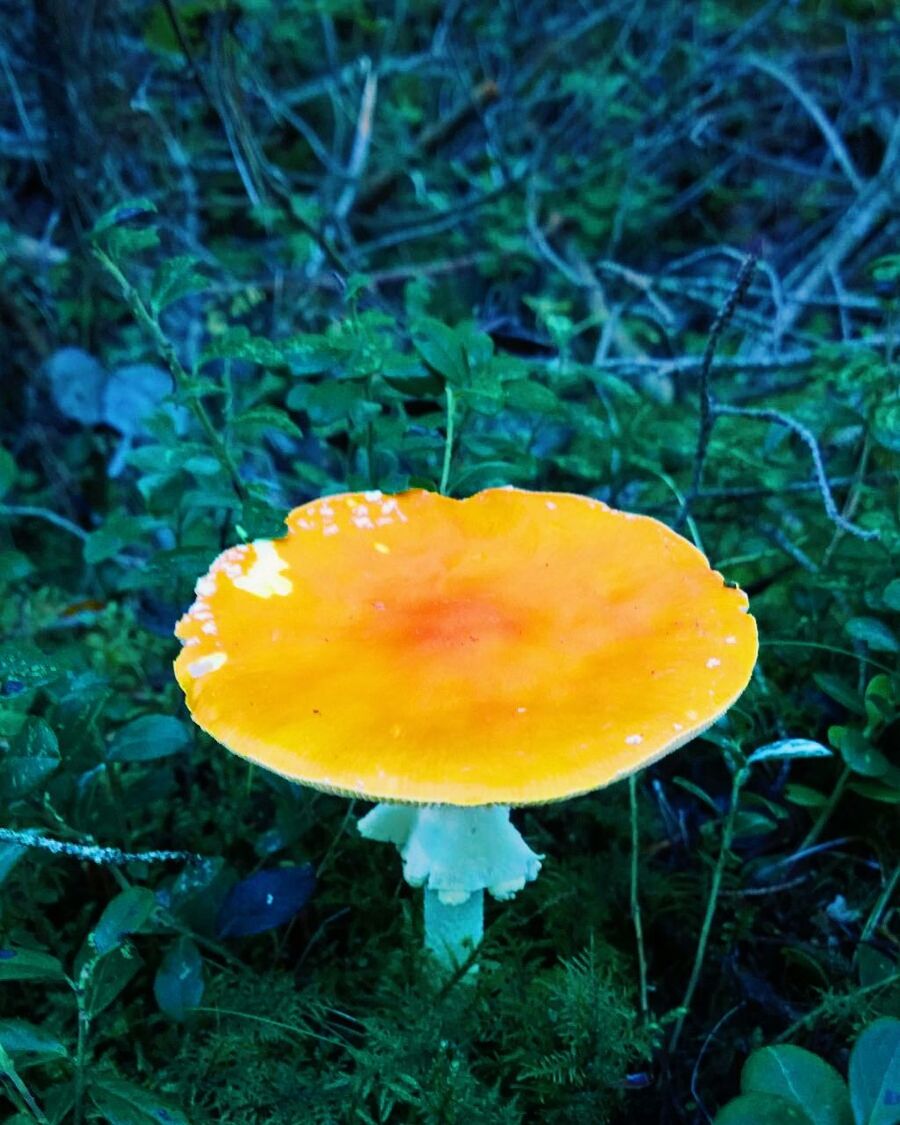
790, 1084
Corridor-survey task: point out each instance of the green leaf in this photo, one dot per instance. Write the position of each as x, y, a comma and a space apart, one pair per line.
26, 665
873, 966
148, 738
858, 753
17, 963
697, 792
10, 854
19, 1037
534, 398
802, 1078
876, 791
875, 1074
487, 474
790, 748
407, 375
122, 243
886, 423
123, 1103
752, 824
14, 566
174, 279
873, 632
840, 691
166, 568
325, 402
126, 211
891, 595
7, 471
257, 420
886, 268
119, 531
880, 702
178, 986
442, 351
110, 976
237, 343
761, 1109
804, 796
126, 914
33, 755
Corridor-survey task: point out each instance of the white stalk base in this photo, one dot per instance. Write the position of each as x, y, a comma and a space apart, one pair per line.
452, 933
455, 854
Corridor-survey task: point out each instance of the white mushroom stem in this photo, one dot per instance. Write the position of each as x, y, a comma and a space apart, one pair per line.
456, 854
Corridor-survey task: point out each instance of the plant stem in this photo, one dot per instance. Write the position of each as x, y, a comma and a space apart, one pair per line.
740, 776
448, 444
827, 809
20, 1095
828, 1005
81, 1047
883, 899
635, 900
117, 793
179, 376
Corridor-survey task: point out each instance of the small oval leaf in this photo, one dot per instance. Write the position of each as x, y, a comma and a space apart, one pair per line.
265, 900
790, 748
125, 915
178, 986
875, 1074
802, 1078
148, 738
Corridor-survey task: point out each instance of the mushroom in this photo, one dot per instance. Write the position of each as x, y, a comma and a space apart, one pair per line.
449, 659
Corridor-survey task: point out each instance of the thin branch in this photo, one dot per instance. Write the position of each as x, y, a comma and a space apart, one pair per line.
635, 897
26, 838
707, 415
24, 510
737, 783
815, 111
808, 439
361, 142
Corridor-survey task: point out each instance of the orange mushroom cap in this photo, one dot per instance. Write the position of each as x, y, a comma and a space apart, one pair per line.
512, 648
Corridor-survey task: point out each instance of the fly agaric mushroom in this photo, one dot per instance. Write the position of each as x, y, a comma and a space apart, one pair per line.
452, 658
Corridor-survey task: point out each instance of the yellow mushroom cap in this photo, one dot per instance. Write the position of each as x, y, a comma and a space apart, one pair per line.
512, 648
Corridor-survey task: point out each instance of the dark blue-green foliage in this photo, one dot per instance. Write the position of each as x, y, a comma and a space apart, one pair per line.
255, 252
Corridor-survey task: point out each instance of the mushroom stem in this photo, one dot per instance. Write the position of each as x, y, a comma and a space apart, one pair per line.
455, 854
452, 932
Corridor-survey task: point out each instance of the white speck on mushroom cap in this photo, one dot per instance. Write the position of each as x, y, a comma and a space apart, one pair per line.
634, 740
212, 662
551, 505
205, 587
713, 662
264, 578
677, 726
731, 640
331, 529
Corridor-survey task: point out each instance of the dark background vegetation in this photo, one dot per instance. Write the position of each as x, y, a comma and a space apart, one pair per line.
256, 251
